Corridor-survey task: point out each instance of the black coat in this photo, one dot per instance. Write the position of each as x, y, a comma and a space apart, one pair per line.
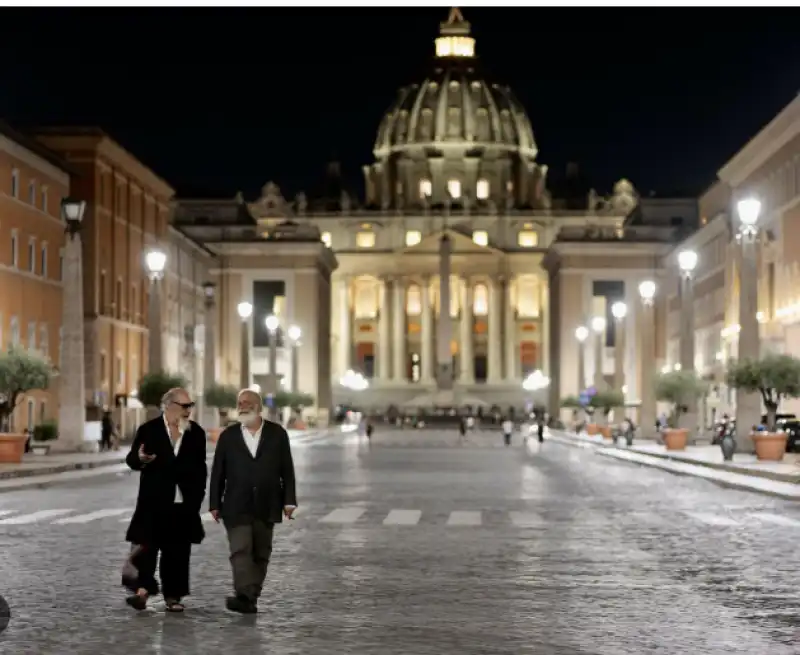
244, 488
154, 521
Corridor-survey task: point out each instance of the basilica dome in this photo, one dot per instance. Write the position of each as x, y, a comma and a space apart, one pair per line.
455, 137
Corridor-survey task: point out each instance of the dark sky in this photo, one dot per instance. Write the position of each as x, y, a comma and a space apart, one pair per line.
225, 100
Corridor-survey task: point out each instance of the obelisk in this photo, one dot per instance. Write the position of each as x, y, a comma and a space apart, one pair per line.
444, 333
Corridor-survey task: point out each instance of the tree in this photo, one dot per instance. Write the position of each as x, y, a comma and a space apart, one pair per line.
221, 396
153, 386
679, 388
294, 400
606, 400
775, 377
21, 371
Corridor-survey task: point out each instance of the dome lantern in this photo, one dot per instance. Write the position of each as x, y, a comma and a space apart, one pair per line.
455, 39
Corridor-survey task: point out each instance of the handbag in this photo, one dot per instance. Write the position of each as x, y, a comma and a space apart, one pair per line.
130, 571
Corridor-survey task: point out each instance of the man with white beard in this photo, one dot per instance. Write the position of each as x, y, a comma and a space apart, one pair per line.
252, 489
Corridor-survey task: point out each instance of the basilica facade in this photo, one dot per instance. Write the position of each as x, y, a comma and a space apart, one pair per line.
460, 271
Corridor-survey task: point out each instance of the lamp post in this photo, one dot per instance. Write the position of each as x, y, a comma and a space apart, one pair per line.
245, 310
209, 352
599, 329
581, 334
619, 310
155, 262
687, 262
647, 410
748, 405
72, 381
294, 334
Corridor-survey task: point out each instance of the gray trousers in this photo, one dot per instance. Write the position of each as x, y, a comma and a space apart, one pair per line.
250, 547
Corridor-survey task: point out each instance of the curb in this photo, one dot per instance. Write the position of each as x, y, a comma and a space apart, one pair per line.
60, 468
732, 479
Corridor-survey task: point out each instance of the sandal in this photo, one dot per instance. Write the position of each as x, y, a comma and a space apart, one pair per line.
174, 606
138, 601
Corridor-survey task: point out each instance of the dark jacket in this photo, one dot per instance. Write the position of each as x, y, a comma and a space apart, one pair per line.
243, 487
154, 520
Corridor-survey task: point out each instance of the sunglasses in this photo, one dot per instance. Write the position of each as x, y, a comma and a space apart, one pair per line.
185, 405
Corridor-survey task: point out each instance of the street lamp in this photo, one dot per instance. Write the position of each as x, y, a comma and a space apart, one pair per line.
748, 405
209, 414
72, 214
155, 262
581, 334
294, 334
687, 262
272, 324
619, 310
599, 328
72, 394
647, 410
245, 310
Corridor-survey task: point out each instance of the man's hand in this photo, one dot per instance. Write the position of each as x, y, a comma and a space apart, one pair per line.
289, 510
144, 457
214, 514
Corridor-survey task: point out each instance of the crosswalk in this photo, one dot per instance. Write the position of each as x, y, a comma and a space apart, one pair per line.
458, 518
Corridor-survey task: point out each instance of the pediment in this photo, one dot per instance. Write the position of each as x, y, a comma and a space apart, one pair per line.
462, 245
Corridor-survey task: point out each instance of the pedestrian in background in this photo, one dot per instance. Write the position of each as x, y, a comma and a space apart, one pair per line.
508, 429
252, 488
170, 454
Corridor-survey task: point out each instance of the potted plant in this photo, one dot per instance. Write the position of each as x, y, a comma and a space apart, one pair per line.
42, 433
21, 371
298, 402
222, 398
606, 400
774, 377
679, 388
153, 386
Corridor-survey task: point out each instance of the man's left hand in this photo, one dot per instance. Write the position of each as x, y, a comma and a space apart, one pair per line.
289, 510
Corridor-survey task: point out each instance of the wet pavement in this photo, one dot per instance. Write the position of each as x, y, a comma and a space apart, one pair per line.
417, 544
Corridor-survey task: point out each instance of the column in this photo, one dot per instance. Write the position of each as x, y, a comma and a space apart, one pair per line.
244, 363
345, 328
581, 367
544, 312
444, 328
748, 405
495, 373
510, 335
619, 353
384, 341
599, 344
209, 359
72, 401
467, 358
427, 356
647, 356
689, 419
399, 331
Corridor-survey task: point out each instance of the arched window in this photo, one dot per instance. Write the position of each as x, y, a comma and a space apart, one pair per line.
414, 300
480, 300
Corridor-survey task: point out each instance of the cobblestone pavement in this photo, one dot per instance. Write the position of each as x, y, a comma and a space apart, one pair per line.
399, 549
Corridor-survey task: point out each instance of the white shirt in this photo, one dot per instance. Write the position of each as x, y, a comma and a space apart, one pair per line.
252, 439
508, 427
176, 447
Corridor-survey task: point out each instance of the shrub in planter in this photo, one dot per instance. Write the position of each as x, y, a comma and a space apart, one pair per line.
605, 400
774, 377
47, 431
153, 386
679, 389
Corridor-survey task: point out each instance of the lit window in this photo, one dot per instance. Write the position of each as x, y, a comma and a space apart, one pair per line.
425, 189
365, 239
482, 189
454, 188
326, 238
413, 237
480, 237
528, 239
455, 46
480, 303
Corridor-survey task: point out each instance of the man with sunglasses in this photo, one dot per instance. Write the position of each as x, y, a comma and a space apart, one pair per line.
170, 453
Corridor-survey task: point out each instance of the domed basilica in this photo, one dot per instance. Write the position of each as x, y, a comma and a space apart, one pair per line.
456, 276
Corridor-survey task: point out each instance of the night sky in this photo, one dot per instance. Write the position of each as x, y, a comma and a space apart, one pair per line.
217, 101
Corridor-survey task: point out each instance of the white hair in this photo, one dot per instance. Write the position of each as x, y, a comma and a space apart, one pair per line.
169, 397
253, 394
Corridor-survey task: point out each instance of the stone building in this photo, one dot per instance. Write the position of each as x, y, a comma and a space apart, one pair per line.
33, 181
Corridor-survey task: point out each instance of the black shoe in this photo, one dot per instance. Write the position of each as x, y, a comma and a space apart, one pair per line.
241, 605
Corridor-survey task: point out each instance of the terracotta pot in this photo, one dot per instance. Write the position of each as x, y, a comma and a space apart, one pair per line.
770, 446
676, 439
591, 429
12, 448
606, 431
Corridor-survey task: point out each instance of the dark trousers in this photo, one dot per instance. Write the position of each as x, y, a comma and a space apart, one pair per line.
105, 441
173, 569
507, 438
250, 548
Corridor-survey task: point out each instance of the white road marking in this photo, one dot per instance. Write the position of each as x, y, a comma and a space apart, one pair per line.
343, 515
36, 516
461, 517
712, 519
91, 516
526, 519
777, 520
403, 517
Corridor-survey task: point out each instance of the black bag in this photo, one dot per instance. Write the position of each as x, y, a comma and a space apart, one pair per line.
130, 569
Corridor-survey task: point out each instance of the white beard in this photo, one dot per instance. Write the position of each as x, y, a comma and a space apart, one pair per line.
247, 418
183, 425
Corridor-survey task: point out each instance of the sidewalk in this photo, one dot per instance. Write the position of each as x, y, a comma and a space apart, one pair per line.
781, 479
